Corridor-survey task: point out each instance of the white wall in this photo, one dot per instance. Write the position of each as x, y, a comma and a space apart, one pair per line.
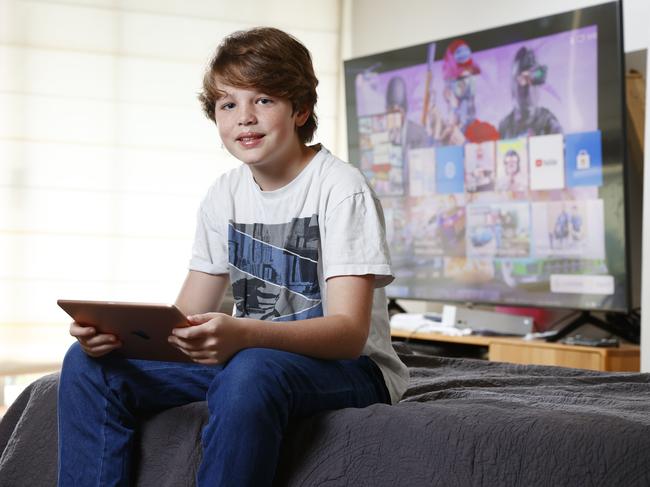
645, 280
371, 26
379, 25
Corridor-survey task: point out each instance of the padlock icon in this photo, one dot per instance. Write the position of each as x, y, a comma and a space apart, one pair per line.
583, 160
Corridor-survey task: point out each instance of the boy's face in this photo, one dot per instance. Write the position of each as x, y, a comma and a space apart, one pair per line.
256, 128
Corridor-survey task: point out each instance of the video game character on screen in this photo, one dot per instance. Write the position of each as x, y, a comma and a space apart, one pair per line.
459, 73
568, 229
410, 134
576, 227
449, 227
498, 230
404, 132
527, 117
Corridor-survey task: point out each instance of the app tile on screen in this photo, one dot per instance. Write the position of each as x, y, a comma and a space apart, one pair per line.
584, 159
546, 154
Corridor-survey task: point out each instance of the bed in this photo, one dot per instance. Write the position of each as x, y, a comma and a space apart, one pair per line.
462, 422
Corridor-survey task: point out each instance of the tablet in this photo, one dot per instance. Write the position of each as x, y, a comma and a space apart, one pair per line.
142, 328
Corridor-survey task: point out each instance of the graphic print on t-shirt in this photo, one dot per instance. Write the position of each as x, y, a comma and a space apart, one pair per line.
274, 269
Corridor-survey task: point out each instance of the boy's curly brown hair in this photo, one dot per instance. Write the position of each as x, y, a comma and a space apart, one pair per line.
268, 60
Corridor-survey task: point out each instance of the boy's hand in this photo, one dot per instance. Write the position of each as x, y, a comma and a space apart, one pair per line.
93, 343
213, 338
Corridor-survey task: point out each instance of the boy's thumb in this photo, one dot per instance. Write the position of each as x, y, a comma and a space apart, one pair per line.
199, 318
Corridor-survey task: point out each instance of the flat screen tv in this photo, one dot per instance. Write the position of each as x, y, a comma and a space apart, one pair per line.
498, 157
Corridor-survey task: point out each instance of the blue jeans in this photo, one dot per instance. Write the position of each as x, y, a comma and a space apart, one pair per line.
250, 400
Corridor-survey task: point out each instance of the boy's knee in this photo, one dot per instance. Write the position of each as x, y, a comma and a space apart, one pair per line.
250, 359
75, 360
253, 375
74, 355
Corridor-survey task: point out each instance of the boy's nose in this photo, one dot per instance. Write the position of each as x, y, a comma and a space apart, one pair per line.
247, 117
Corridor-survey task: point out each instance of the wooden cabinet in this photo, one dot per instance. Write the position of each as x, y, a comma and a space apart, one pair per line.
515, 350
624, 358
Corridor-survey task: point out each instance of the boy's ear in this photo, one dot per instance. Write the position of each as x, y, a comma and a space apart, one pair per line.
302, 116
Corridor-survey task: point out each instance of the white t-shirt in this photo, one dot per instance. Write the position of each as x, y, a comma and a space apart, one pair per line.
280, 247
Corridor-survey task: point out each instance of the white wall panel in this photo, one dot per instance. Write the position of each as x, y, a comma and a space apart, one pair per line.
122, 32
71, 258
314, 15
98, 213
62, 26
99, 76
645, 264
77, 212
184, 173
326, 133
153, 126
21, 342
61, 119
165, 261
105, 168
34, 301
55, 257
160, 82
157, 215
327, 96
44, 118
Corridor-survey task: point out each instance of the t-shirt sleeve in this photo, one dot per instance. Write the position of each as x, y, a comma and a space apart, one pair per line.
354, 239
210, 249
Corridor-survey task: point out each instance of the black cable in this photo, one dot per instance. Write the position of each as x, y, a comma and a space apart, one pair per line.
562, 319
415, 330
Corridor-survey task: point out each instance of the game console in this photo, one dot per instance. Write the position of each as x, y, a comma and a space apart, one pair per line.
486, 322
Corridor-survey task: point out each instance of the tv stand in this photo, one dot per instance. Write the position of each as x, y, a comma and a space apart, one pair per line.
624, 358
615, 327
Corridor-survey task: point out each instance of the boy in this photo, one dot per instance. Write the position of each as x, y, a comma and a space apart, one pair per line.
301, 237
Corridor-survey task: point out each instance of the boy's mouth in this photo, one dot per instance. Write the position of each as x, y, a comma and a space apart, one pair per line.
250, 139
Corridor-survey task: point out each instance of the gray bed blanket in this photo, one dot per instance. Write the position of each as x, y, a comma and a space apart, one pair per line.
462, 422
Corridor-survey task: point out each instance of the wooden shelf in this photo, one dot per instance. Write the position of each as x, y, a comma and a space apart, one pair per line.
625, 358
438, 337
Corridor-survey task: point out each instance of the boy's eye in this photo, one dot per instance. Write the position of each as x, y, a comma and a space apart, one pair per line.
228, 106
265, 101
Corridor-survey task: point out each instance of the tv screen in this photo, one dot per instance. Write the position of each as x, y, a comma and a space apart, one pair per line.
498, 157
